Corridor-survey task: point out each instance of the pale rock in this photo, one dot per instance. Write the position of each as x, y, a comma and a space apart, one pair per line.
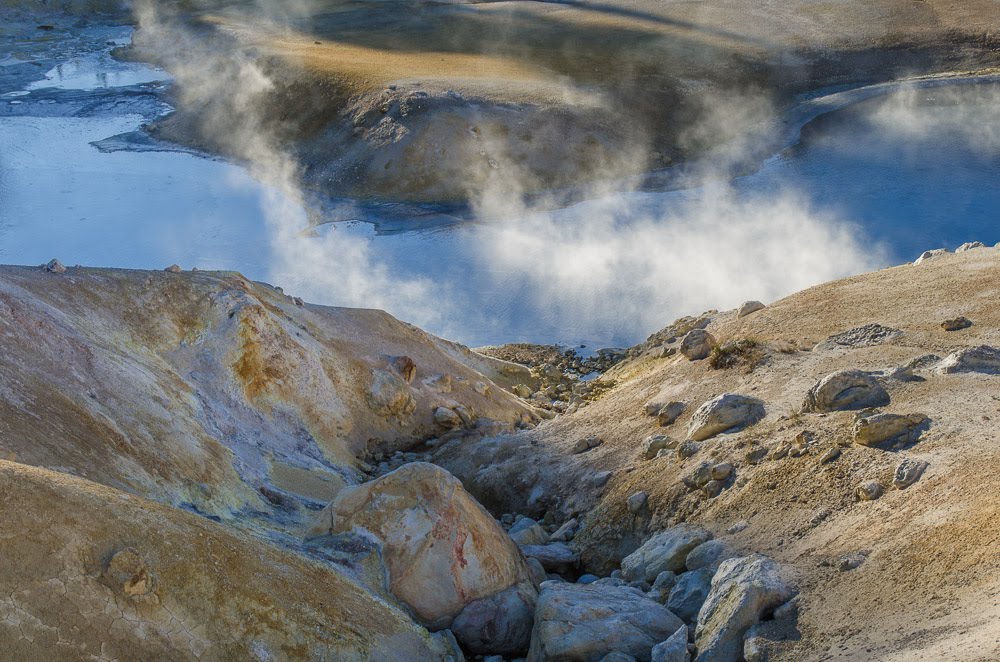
969, 245
743, 590
930, 255
587, 622
885, 428
869, 491
389, 395
983, 359
442, 549
729, 411
749, 307
173, 269
845, 389
697, 344
656, 443
666, 550
668, 413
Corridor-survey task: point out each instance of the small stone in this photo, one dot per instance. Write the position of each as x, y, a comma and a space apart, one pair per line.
829, 456
706, 555
55, 267
566, 532
174, 269
600, 479
956, 324
447, 418
687, 449
780, 452
725, 413
700, 476
869, 491
749, 307
739, 526
713, 488
126, 573
908, 472
653, 444
845, 389
521, 391
755, 455
638, 502
851, 561
722, 471
586, 444
669, 413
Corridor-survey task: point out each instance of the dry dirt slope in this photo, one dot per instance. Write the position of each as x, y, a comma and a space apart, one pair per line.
930, 585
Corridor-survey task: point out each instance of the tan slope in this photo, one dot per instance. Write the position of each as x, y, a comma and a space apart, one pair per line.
180, 587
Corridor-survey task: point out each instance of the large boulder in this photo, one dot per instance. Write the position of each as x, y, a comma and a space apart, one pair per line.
889, 428
984, 359
443, 551
728, 411
743, 590
586, 622
697, 344
390, 395
666, 550
845, 389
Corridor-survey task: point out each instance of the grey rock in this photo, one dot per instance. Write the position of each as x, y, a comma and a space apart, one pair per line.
930, 255
501, 623
533, 534
687, 449
697, 344
618, 657
739, 526
666, 550
173, 269
448, 645
984, 359
637, 502
868, 335
722, 471
743, 590
707, 554
600, 478
55, 267
713, 488
908, 472
830, 455
749, 307
447, 417
390, 396
851, 561
869, 491
689, 594
554, 557
587, 622
674, 649
587, 579
654, 444
889, 428
586, 444
845, 389
537, 570
566, 532
729, 411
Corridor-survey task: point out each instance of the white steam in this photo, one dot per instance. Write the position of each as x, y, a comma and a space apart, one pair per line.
613, 269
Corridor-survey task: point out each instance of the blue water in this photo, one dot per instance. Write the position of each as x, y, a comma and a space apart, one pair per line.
868, 186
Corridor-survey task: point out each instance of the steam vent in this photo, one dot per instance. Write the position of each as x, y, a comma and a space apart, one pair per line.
521, 330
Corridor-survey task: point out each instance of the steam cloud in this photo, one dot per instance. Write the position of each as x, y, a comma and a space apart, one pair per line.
612, 269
